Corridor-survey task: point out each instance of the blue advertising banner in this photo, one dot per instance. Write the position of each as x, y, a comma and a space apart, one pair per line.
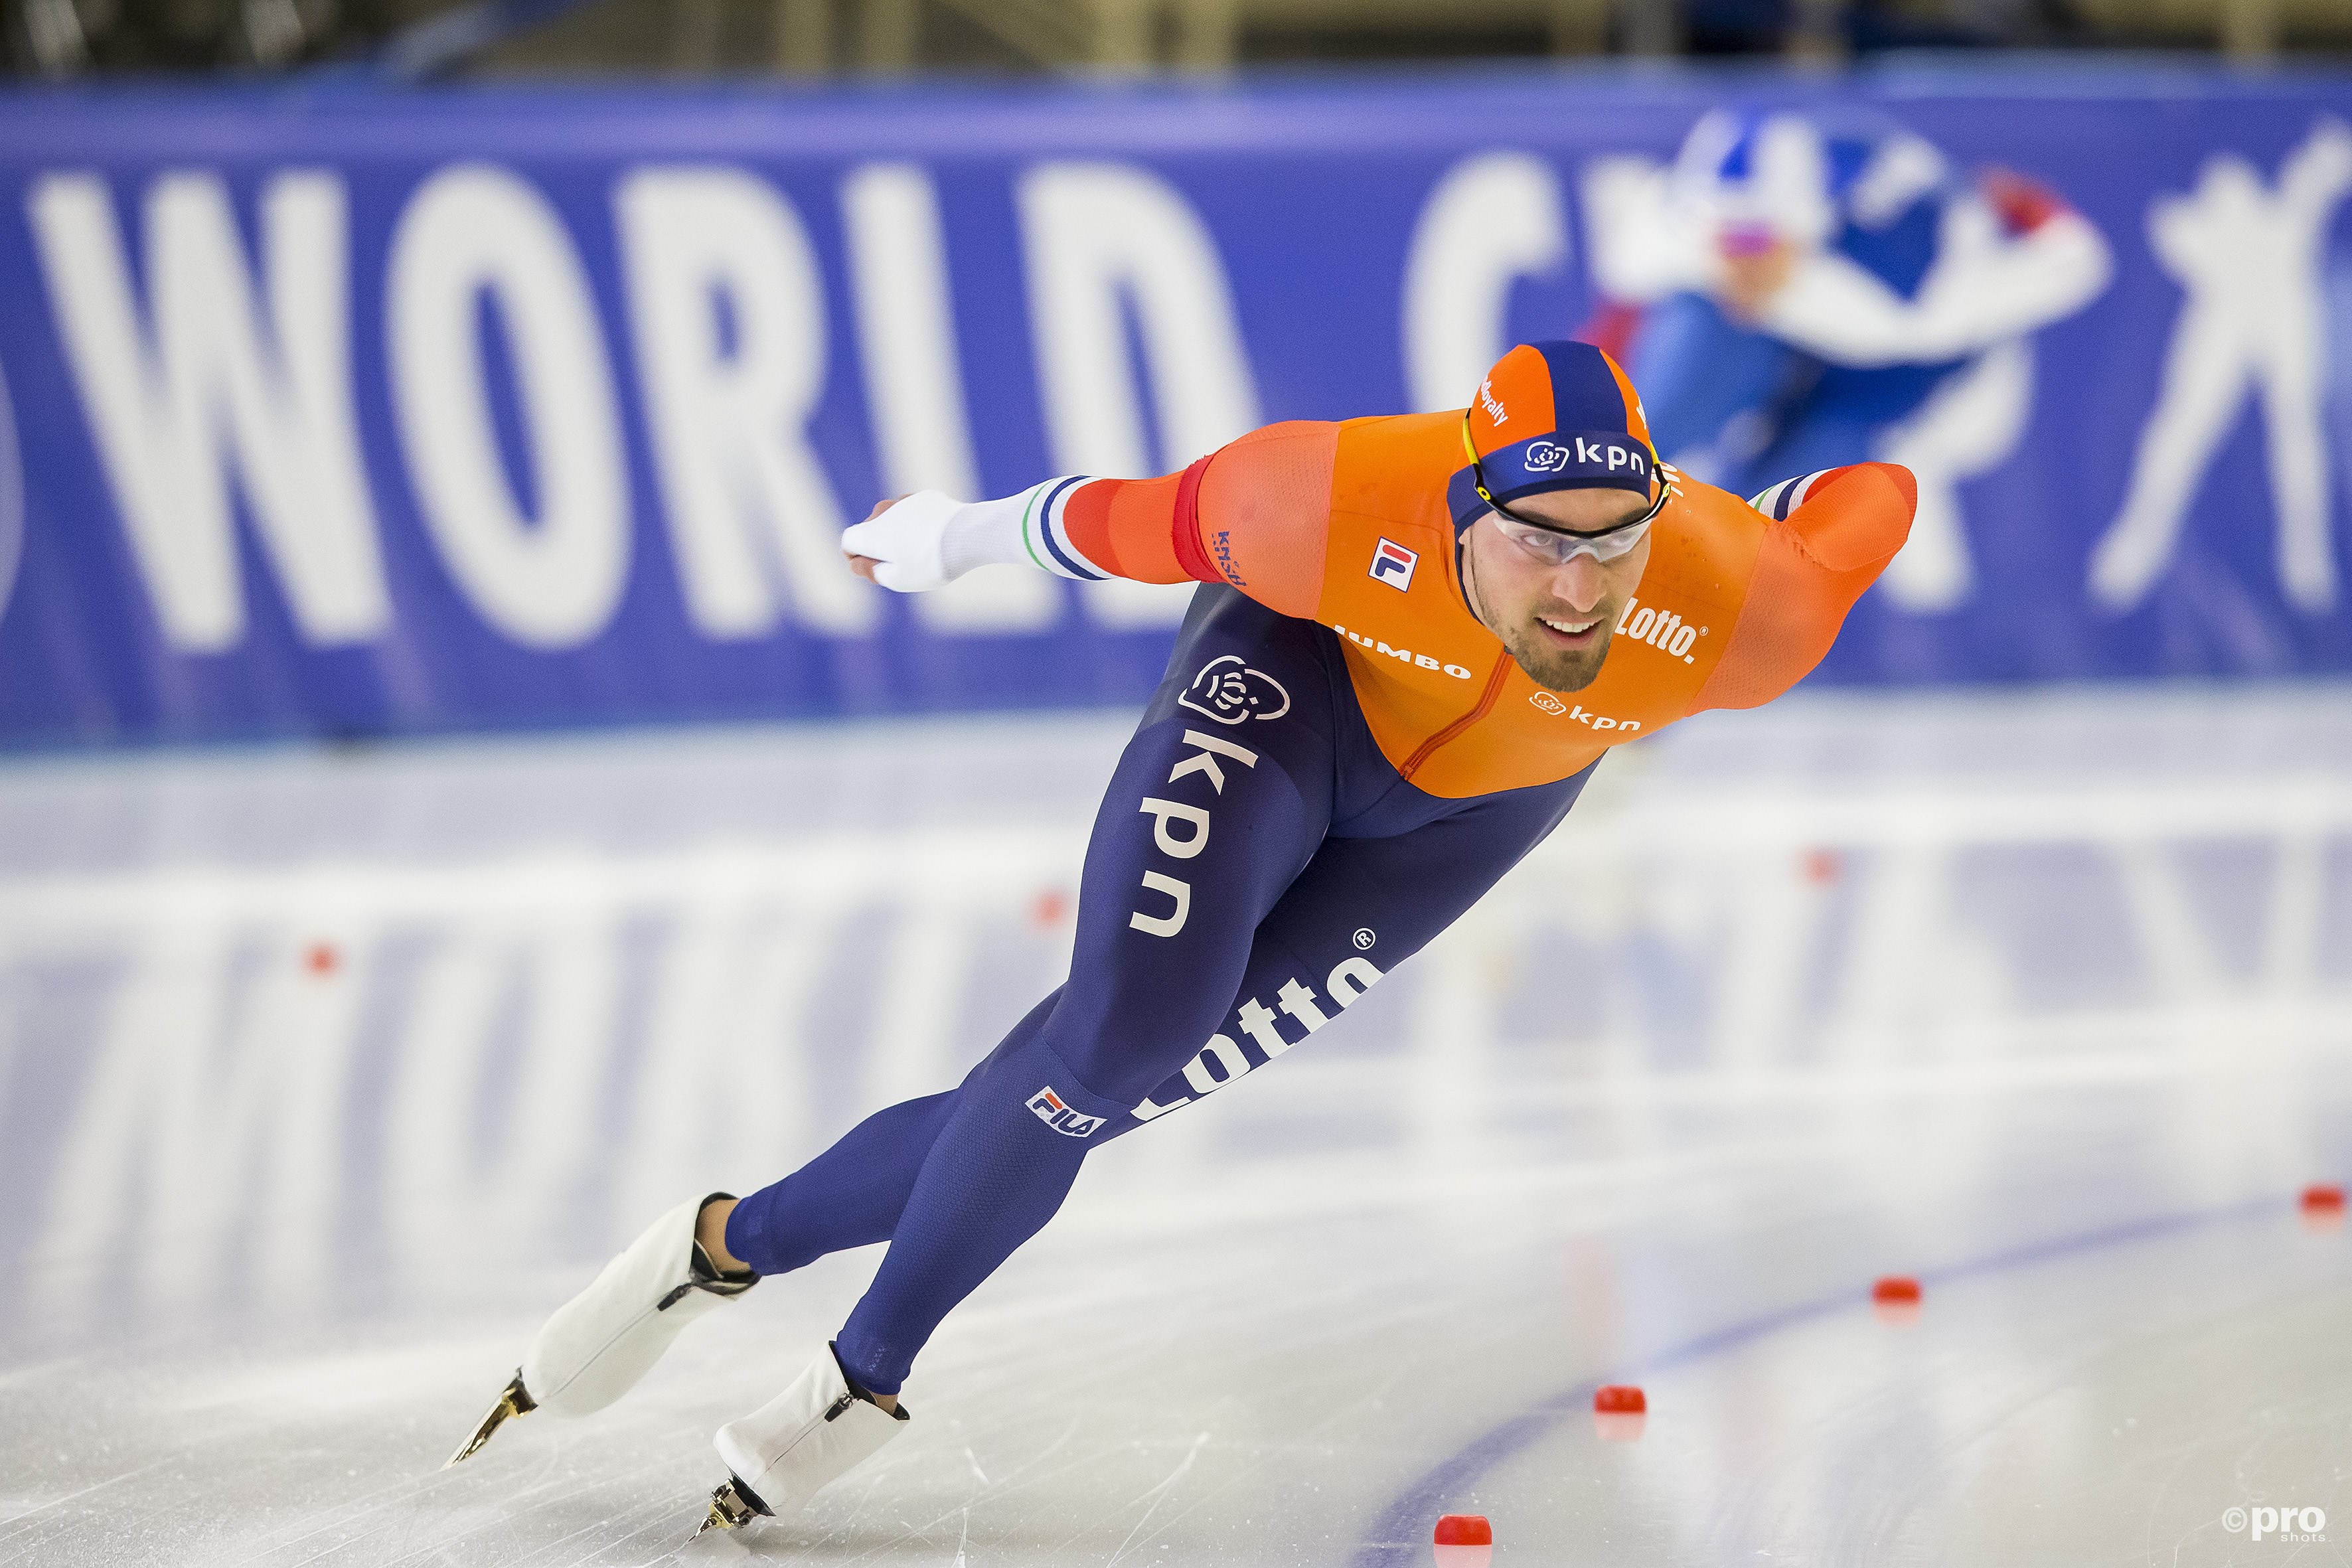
328, 410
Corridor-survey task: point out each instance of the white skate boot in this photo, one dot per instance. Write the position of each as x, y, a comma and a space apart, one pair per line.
602, 1339
785, 1452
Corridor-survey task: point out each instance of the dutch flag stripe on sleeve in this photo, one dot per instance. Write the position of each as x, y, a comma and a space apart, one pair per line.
1047, 536
1787, 496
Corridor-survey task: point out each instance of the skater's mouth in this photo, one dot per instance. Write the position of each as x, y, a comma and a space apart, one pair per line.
1572, 632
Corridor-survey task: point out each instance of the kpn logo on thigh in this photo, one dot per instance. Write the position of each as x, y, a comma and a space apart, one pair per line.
1050, 1109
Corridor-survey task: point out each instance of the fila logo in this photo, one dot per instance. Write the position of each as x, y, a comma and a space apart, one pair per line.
1392, 564
1418, 660
1047, 1106
1660, 629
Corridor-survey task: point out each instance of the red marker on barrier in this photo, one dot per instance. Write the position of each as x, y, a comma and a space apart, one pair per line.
1464, 1540
1620, 1412
2323, 1206
1895, 1299
322, 958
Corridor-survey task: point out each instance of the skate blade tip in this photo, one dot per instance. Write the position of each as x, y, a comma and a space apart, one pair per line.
474, 1444
514, 1402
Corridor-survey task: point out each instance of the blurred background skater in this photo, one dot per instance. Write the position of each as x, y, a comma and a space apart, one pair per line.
1801, 291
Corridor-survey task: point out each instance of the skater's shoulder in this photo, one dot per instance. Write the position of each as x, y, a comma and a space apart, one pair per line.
1846, 518
1403, 441
1398, 467
1819, 541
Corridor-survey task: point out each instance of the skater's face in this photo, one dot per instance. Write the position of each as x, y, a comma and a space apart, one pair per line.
1757, 264
1556, 619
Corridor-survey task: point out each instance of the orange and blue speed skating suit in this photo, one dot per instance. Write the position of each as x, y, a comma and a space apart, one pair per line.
1340, 759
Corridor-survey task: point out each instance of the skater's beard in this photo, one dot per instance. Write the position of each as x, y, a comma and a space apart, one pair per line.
1558, 668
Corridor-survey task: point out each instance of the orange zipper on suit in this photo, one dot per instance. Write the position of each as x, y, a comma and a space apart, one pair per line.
1495, 679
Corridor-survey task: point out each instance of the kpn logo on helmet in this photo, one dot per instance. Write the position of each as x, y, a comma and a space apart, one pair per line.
1604, 455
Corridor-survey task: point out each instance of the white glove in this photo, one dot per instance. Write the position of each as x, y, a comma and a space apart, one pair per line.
908, 542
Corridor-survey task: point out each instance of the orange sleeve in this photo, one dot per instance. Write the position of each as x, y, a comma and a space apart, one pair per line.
1265, 513
1126, 527
1254, 513
1811, 569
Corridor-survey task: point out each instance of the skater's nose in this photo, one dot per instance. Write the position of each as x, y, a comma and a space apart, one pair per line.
1580, 583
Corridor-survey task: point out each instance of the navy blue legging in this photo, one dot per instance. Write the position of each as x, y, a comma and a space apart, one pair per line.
1255, 864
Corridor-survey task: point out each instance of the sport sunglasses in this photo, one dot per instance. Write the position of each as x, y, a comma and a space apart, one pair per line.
1557, 546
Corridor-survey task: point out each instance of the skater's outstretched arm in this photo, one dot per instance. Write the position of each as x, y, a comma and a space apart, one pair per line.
1828, 538
1254, 513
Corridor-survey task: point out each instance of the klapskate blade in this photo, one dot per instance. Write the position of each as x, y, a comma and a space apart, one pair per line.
728, 1509
513, 1400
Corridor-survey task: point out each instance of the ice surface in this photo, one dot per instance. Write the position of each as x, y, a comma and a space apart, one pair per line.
324, 1076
